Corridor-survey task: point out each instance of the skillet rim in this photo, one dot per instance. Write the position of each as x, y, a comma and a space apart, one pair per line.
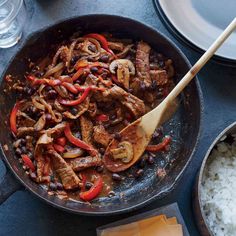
161, 194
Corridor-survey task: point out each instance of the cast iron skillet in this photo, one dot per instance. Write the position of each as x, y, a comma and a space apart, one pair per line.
184, 127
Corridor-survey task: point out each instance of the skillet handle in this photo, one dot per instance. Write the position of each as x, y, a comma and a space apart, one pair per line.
8, 186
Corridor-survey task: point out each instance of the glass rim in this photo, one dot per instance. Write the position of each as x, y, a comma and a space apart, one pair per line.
13, 13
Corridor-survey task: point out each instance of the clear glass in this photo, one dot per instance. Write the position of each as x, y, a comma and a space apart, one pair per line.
12, 19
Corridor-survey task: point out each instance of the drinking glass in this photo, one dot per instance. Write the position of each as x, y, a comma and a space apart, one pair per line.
12, 19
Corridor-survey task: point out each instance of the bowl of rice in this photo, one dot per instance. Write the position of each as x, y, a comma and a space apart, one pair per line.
215, 190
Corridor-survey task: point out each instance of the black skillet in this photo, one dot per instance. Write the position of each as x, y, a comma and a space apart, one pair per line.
184, 127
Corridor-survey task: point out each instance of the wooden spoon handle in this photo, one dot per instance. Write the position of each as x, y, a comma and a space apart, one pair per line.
201, 62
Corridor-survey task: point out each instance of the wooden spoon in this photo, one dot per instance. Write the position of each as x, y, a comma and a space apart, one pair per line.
139, 133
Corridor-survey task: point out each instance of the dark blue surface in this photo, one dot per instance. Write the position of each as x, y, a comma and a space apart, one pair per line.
23, 214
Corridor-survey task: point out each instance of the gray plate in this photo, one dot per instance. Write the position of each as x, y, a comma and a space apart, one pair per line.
202, 21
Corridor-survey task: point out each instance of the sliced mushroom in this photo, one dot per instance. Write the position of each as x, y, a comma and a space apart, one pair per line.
123, 152
125, 68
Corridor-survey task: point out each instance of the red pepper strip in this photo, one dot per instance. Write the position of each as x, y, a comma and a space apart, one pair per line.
44, 81
58, 148
70, 87
107, 83
28, 162
66, 79
102, 117
159, 146
78, 73
102, 40
77, 142
61, 141
84, 179
77, 101
94, 191
93, 88
13, 117
90, 65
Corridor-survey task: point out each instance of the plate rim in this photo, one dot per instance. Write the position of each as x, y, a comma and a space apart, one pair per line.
182, 38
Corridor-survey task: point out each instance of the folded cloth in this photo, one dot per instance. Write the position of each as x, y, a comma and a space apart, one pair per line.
158, 225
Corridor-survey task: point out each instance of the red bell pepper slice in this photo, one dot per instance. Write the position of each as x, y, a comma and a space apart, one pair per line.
102, 40
44, 81
94, 191
102, 118
58, 148
27, 161
84, 179
77, 142
61, 141
70, 87
77, 101
78, 73
160, 146
13, 117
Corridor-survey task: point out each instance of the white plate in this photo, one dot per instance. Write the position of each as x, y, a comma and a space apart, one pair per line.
202, 21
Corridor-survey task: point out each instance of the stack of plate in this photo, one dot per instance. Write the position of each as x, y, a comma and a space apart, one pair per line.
200, 22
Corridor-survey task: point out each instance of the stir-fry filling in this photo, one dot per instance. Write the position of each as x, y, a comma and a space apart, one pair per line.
74, 102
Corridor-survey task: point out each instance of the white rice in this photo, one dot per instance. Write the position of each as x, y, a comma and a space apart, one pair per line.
218, 191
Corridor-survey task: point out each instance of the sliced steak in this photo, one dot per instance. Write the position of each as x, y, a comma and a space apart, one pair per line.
134, 104
142, 63
82, 163
101, 136
160, 76
86, 129
68, 177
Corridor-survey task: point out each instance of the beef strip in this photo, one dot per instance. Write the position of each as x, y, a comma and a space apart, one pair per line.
160, 76
22, 131
142, 63
101, 136
134, 104
68, 177
86, 129
82, 163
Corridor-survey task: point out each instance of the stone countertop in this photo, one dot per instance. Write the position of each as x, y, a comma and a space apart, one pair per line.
24, 214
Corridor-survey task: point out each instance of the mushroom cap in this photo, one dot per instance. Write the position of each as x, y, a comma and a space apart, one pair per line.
123, 62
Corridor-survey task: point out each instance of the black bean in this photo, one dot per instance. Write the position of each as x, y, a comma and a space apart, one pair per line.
39, 74
104, 58
78, 135
157, 133
102, 150
130, 90
161, 64
104, 75
23, 142
47, 88
154, 85
100, 169
94, 69
142, 86
23, 150
33, 175
53, 186
74, 59
116, 177
73, 111
150, 160
52, 94
92, 48
142, 162
60, 186
18, 151
88, 185
117, 136
48, 117
138, 173
113, 117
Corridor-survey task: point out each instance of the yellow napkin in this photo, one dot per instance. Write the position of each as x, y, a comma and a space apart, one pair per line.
157, 225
